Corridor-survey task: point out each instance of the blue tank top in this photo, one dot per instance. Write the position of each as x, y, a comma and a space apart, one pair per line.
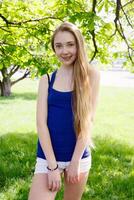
60, 124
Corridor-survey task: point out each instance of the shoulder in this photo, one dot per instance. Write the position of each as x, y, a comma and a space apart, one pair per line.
44, 79
43, 82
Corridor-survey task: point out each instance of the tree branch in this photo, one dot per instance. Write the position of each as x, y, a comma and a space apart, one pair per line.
13, 70
128, 47
2, 49
117, 13
93, 31
4, 19
4, 29
128, 3
27, 72
126, 16
5, 43
26, 21
94, 6
95, 46
99, 2
119, 28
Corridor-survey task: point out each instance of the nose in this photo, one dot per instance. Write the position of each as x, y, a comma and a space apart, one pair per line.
64, 50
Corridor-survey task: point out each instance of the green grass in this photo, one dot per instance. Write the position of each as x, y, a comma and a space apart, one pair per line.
112, 173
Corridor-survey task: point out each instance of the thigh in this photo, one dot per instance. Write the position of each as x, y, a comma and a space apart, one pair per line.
75, 191
39, 188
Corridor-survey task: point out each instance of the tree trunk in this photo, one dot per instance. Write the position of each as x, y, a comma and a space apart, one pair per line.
5, 86
6, 83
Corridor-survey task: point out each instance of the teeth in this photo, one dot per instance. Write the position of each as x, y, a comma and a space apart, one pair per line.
67, 58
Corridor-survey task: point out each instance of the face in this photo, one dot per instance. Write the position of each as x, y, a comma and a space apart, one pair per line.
65, 47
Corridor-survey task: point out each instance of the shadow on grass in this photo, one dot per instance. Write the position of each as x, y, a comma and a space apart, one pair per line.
111, 176
22, 96
17, 158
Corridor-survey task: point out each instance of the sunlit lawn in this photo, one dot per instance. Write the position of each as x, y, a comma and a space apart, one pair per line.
112, 173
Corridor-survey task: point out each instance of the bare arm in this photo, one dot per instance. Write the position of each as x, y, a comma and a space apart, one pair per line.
41, 120
81, 144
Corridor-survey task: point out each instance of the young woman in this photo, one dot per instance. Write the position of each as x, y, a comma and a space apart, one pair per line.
66, 106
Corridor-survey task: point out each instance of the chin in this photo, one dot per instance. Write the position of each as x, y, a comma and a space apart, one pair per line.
67, 63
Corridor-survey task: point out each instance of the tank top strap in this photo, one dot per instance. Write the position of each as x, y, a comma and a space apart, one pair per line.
53, 78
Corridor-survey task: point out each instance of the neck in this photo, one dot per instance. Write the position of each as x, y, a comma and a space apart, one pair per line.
66, 69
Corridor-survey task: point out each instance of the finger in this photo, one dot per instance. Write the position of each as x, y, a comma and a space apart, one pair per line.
74, 180
67, 177
58, 185
70, 179
53, 187
66, 169
77, 178
49, 185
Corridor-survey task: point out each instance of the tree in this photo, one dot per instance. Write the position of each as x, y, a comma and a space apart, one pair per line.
26, 28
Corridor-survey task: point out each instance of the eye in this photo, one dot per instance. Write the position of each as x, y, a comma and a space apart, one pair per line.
58, 46
71, 44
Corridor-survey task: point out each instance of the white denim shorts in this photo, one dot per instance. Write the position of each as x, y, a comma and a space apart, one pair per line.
41, 165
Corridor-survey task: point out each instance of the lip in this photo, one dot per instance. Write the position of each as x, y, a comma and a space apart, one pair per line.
66, 57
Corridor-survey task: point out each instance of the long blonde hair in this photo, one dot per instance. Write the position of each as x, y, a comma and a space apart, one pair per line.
81, 98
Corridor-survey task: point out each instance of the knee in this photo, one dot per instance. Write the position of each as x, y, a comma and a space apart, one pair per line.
41, 195
72, 197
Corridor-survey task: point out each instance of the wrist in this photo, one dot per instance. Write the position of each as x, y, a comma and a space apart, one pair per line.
52, 169
52, 164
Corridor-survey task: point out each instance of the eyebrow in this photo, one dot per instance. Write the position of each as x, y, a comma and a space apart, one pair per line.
66, 42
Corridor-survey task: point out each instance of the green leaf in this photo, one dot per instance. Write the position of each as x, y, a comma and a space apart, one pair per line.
100, 6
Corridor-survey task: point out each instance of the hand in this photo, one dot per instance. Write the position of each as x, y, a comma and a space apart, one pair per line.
73, 172
54, 180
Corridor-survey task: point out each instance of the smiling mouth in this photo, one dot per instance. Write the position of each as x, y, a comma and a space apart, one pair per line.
66, 58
